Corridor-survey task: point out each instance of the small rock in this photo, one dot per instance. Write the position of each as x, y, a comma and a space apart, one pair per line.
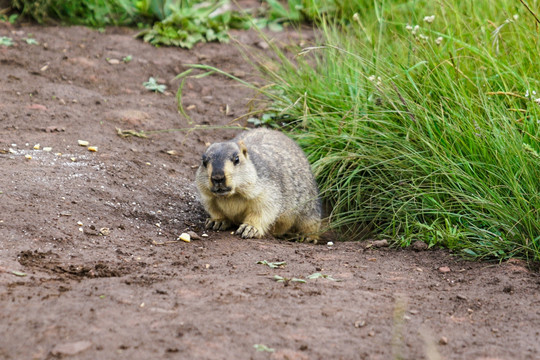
184, 237
262, 45
461, 297
419, 245
359, 323
194, 235
443, 340
71, 349
444, 269
380, 243
113, 61
330, 243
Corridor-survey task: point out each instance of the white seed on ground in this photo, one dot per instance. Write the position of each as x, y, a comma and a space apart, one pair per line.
185, 237
93, 148
83, 142
79, 223
29, 157
329, 243
37, 147
47, 148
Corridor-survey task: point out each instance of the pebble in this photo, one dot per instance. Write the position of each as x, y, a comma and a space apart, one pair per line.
262, 45
185, 237
419, 245
380, 243
443, 340
359, 323
444, 269
329, 243
194, 235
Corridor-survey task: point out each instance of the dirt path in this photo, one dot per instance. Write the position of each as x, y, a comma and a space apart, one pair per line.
133, 292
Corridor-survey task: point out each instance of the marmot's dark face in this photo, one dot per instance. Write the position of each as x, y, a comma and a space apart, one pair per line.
219, 164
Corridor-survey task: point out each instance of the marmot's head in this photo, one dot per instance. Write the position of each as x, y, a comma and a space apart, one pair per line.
225, 167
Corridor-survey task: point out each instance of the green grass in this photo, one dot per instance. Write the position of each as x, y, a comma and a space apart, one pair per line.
180, 23
424, 134
94, 13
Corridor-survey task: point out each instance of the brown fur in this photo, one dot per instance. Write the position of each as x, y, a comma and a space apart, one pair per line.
261, 181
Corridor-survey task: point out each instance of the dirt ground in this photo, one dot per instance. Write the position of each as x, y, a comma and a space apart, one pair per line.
89, 263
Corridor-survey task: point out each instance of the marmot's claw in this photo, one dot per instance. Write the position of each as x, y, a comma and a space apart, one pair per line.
217, 224
307, 239
248, 231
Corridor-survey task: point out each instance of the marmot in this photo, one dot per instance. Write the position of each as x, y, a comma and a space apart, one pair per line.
262, 181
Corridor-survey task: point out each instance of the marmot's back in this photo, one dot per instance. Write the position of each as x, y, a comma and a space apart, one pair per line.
262, 181
281, 161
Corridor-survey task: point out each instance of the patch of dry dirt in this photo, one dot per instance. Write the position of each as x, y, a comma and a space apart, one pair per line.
136, 293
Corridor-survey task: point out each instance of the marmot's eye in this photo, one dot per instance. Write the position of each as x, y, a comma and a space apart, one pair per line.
236, 160
204, 160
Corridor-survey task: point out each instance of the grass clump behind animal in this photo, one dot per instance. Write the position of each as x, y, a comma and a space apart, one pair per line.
422, 121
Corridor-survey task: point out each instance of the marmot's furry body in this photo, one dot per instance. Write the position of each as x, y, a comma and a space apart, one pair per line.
262, 181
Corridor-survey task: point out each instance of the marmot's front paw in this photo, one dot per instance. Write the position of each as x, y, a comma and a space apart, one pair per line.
217, 224
308, 239
247, 231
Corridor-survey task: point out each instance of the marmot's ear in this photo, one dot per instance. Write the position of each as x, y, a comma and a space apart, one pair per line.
243, 148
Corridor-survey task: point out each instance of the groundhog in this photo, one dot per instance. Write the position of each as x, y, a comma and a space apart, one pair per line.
262, 181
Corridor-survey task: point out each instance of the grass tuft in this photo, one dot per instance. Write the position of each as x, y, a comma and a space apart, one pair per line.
424, 127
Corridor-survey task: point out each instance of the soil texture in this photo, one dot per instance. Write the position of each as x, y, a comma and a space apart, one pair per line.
90, 262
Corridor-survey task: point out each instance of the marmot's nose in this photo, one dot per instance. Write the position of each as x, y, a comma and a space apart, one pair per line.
218, 179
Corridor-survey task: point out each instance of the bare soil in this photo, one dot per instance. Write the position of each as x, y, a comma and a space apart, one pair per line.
90, 265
